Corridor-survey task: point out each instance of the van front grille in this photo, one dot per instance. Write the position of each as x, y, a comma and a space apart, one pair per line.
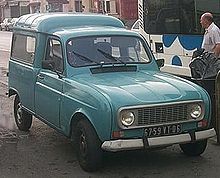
162, 114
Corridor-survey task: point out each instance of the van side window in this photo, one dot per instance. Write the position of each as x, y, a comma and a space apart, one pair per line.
54, 52
23, 48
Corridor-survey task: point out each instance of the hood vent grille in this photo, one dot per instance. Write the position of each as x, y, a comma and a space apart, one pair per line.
107, 69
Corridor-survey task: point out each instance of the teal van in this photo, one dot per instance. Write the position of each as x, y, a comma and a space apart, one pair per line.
88, 77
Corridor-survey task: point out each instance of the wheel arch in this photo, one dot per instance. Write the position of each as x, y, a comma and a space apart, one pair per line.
100, 121
76, 118
12, 92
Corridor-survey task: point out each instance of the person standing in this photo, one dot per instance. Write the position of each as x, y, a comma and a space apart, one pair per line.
211, 40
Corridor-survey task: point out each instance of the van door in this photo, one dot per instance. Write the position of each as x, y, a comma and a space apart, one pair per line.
21, 68
49, 86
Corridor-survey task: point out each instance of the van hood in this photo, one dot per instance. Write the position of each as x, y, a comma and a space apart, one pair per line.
136, 88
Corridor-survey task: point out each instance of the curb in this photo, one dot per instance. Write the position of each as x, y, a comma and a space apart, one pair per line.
5, 50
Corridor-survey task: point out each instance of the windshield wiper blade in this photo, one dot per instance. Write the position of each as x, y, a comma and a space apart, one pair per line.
109, 56
84, 58
127, 57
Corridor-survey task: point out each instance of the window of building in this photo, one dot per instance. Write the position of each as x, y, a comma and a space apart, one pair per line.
79, 6
107, 6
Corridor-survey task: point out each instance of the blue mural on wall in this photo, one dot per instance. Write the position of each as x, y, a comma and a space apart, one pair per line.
188, 42
176, 61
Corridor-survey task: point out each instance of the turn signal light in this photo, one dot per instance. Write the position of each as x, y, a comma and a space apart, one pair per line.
203, 123
117, 134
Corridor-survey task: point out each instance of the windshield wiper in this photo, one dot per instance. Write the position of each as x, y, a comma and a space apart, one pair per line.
127, 57
109, 56
84, 58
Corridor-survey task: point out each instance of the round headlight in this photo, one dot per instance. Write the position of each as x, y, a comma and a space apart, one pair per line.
127, 118
196, 111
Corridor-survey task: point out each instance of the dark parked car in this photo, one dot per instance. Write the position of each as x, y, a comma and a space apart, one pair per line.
4, 24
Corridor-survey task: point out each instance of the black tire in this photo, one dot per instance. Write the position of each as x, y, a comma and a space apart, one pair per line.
194, 149
88, 146
22, 118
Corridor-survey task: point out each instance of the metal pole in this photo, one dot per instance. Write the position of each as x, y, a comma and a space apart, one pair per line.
195, 12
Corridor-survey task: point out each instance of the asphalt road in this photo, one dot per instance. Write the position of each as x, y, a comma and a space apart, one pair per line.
43, 152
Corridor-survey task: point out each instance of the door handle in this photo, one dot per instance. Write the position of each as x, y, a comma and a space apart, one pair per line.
40, 76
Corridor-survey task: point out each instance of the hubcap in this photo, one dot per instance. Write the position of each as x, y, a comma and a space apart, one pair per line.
83, 145
19, 114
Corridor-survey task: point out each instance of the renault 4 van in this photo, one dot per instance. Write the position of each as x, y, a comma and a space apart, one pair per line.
88, 77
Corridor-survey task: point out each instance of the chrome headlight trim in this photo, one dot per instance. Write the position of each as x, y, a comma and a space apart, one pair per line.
197, 111
127, 118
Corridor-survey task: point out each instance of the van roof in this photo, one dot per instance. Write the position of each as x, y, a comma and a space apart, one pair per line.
48, 21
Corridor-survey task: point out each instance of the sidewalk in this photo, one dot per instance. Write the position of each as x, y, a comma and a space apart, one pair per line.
4, 57
7, 124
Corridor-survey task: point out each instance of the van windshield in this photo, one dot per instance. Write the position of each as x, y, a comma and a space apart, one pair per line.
101, 50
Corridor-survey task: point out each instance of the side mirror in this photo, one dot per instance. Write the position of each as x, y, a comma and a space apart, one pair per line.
48, 64
160, 63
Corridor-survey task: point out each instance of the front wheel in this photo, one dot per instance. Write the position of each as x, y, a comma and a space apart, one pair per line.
88, 146
194, 149
22, 118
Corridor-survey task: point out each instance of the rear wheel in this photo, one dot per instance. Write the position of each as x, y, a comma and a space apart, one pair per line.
88, 146
22, 118
194, 149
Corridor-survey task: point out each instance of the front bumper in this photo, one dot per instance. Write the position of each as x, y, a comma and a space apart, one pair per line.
131, 144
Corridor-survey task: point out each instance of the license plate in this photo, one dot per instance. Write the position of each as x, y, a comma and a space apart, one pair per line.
163, 130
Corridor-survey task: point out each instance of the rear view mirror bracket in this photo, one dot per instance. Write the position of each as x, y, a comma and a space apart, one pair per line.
160, 63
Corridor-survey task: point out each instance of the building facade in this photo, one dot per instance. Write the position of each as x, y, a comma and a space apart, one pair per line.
123, 9
13, 8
